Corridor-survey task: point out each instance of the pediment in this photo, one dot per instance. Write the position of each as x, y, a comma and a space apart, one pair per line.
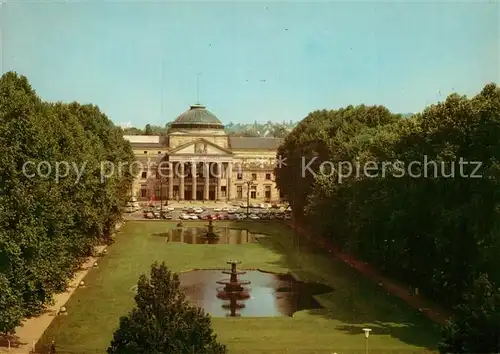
200, 147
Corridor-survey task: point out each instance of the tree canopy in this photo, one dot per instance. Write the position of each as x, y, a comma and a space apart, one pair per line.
54, 205
427, 210
163, 321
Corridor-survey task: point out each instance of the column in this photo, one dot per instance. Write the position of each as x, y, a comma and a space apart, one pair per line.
170, 180
229, 180
206, 166
181, 184
219, 184
193, 173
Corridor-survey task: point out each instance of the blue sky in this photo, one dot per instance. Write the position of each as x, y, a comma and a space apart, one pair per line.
311, 55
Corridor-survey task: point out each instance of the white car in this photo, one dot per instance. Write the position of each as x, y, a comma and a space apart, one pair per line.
253, 217
198, 210
193, 217
262, 206
169, 208
225, 209
185, 217
217, 209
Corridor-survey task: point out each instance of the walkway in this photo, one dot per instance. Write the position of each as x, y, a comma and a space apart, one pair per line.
432, 311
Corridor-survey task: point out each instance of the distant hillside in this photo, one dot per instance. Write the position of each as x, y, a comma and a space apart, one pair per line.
269, 129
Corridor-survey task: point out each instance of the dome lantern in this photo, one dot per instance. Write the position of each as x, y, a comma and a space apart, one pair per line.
197, 116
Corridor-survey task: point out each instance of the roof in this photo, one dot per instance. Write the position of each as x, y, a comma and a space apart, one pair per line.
194, 142
197, 116
147, 145
251, 143
141, 139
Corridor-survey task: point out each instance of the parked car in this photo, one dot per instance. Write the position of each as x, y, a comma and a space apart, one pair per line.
184, 217
169, 208
166, 215
193, 217
198, 210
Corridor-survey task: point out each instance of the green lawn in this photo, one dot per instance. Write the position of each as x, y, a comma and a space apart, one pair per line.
356, 303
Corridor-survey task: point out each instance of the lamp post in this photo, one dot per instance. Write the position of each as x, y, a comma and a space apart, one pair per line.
161, 196
248, 183
168, 194
367, 334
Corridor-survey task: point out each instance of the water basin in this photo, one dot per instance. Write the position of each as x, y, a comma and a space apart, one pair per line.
270, 294
197, 236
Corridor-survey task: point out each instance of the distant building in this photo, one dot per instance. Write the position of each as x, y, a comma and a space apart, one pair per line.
197, 160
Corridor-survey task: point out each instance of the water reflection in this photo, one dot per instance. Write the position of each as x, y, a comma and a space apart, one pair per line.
196, 236
270, 294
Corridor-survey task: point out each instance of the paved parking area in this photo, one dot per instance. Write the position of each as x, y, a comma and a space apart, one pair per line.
223, 211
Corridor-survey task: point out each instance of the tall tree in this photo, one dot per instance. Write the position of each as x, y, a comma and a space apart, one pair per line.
163, 321
148, 130
475, 325
54, 205
424, 205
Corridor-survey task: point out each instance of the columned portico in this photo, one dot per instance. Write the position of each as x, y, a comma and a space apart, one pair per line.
181, 178
218, 190
201, 177
206, 176
193, 183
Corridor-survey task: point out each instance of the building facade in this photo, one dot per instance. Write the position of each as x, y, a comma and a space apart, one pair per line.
197, 160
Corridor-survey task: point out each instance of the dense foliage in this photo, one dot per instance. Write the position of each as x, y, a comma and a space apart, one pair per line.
475, 327
163, 321
437, 226
50, 221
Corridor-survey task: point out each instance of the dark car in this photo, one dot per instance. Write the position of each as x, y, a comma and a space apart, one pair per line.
166, 215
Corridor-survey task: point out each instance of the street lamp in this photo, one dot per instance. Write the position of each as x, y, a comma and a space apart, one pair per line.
161, 197
248, 183
367, 334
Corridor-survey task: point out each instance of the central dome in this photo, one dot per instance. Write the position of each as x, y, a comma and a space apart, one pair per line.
197, 116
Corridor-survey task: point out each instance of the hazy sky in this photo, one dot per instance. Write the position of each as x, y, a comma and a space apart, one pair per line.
311, 55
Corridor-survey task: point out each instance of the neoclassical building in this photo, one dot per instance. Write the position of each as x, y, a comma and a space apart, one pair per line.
197, 160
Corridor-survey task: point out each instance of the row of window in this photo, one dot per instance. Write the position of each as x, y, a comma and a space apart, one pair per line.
254, 176
253, 192
239, 176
